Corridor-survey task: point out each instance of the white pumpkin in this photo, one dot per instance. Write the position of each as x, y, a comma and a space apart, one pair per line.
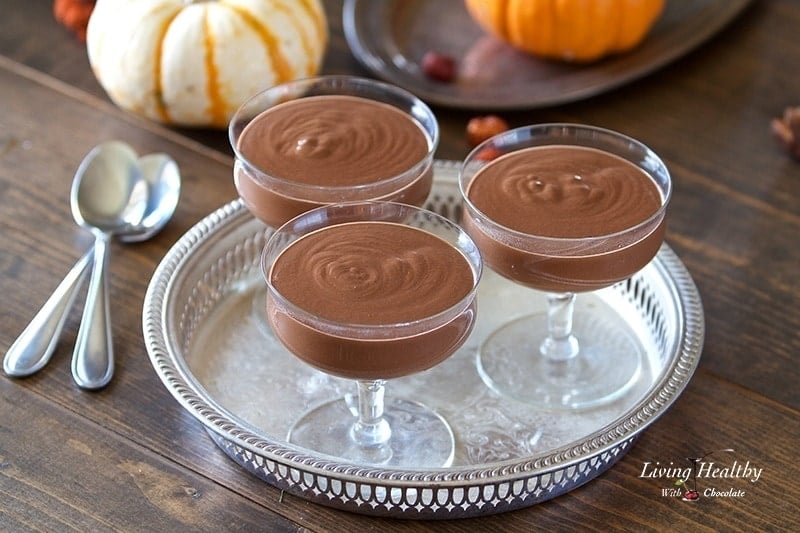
193, 63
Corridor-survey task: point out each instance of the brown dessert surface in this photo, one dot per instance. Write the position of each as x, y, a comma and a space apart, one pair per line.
564, 191
372, 273
333, 140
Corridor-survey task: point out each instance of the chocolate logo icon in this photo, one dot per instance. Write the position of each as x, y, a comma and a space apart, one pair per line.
692, 494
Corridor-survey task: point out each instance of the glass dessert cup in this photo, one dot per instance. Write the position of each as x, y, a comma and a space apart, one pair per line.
563, 359
335, 156
274, 198
366, 428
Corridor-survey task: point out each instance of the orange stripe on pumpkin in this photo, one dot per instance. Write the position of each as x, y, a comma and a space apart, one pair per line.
319, 19
321, 27
283, 70
304, 37
216, 104
320, 32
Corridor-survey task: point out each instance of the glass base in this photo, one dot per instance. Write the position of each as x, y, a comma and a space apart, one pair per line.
608, 363
420, 438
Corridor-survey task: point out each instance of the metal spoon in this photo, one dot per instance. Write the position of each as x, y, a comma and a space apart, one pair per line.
109, 195
32, 350
35, 345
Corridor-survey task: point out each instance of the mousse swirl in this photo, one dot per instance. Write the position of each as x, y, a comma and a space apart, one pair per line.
333, 140
372, 273
565, 192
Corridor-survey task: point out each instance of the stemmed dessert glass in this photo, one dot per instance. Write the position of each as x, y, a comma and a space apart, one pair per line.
274, 198
340, 157
564, 358
371, 291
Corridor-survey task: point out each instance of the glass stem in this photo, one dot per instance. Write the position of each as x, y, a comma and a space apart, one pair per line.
371, 428
560, 344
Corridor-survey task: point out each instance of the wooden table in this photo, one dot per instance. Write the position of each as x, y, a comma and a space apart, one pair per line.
130, 458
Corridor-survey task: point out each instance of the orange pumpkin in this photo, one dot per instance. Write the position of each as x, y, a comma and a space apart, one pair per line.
568, 30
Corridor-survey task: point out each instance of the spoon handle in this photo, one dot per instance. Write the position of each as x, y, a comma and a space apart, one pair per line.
35, 345
93, 358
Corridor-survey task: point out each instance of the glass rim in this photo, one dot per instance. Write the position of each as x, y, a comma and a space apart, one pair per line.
666, 195
415, 102
378, 331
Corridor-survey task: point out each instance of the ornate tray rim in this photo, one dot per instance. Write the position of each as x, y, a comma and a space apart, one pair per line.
176, 376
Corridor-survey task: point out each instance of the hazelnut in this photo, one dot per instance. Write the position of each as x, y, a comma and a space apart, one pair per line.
480, 129
787, 130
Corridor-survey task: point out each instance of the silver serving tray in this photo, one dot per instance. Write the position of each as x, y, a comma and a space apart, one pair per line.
247, 390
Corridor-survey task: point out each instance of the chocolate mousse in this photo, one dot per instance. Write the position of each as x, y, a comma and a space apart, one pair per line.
363, 275
564, 218
310, 151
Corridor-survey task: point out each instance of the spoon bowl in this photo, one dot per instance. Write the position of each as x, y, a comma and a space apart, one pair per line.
163, 179
109, 192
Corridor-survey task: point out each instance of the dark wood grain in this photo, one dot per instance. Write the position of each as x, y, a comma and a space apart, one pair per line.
60, 471
130, 458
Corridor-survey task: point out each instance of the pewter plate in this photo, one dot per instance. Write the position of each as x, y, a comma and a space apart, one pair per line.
209, 350
390, 38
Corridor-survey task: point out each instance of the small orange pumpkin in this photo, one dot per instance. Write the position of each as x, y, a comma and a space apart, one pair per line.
568, 30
